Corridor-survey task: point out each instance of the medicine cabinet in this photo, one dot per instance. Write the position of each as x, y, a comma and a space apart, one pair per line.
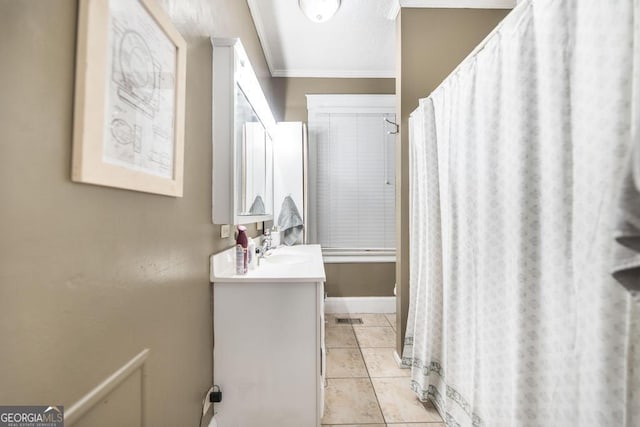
243, 129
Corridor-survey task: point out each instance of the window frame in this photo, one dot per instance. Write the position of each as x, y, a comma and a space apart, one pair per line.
349, 104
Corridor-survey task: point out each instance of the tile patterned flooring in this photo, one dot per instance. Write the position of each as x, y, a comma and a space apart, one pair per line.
365, 386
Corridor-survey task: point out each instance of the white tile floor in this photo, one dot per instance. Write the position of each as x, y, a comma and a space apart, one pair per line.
365, 386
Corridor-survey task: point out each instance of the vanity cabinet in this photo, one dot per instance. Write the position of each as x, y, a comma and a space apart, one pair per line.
243, 129
269, 357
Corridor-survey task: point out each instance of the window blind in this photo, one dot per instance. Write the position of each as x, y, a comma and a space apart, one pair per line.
355, 178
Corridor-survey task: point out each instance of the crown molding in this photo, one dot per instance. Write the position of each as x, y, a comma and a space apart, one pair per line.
341, 74
466, 4
323, 101
396, 5
254, 9
394, 9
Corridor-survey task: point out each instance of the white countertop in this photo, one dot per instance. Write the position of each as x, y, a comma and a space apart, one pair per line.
299, 263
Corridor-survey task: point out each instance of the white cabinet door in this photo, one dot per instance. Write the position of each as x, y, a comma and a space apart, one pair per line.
266, 354
323, 349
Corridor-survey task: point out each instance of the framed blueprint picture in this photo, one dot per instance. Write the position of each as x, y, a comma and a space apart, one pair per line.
129, 97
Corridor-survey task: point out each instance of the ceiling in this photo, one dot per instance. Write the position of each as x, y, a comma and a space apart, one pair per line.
359, 41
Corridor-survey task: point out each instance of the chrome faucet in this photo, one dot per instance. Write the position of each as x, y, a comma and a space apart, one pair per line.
262, 251
266, 244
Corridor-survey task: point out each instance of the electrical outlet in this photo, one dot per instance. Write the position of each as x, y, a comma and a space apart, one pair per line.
259, 225
225, 231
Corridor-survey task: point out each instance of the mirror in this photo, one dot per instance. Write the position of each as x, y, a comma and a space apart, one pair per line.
253, 155
253, 170
269, 173
250, 157
242, 145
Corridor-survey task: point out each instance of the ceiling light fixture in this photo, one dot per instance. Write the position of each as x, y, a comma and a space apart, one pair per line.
319, 10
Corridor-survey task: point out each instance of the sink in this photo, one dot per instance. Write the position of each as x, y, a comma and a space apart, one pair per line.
286, 259
287, 264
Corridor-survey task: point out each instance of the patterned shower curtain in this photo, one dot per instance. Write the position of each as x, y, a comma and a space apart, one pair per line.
515, 163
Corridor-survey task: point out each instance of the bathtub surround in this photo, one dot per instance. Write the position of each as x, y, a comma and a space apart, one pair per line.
516, 163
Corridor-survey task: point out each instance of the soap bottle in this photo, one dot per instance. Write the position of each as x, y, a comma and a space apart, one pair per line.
251, 256
242, 250
275, 237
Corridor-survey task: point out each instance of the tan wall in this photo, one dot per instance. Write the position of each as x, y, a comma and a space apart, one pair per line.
343, 280
200, 19
360, 280
431, 43
295, 90
89, 276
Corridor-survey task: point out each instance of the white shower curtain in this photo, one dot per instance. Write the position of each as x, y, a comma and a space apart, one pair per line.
515, 164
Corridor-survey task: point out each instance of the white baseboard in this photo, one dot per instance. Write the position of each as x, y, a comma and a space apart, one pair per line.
398, 360
360, 305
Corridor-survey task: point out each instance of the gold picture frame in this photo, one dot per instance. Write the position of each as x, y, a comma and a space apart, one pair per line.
129, 97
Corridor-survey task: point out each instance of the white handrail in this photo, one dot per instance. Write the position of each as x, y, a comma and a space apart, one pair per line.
88, 401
